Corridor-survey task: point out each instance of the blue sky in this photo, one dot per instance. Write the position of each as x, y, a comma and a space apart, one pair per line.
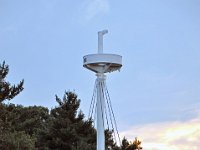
43, 41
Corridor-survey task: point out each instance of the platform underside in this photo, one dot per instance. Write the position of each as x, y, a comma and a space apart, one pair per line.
102, 63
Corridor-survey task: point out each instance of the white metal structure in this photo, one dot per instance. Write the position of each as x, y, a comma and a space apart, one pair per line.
101, 63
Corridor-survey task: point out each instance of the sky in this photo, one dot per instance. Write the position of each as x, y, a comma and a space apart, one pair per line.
155, 96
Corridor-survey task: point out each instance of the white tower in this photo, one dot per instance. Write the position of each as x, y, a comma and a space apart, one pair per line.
101, 63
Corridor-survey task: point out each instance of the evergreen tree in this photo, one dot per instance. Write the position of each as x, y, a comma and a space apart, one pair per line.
21, 126
67, 128
16, 140
6, 90
125, 144
30, 119
10, 138
135, 145
109, 141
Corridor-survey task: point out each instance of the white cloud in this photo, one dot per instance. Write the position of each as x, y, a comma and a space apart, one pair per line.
177, 135
95, 7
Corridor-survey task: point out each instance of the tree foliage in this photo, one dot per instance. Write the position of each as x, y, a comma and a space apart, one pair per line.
135, 145
8, 91
16, 140
67, 128
20, 126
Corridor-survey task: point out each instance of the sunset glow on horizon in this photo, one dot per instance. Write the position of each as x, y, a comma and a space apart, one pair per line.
175, 135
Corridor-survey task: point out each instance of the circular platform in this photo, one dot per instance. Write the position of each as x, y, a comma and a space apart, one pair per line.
102, 63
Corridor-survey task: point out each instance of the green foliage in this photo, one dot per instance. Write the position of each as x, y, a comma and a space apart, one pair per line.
32, 119
110, 144
16, 141
20, 126
135, 145
6, 90
67, 128
125, 144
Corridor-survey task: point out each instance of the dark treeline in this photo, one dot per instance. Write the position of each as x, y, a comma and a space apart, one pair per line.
37, 128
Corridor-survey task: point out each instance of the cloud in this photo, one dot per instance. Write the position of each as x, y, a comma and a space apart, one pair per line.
95, 7
173, 135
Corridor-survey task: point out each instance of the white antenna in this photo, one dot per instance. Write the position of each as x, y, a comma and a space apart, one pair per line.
100, 40
101, 63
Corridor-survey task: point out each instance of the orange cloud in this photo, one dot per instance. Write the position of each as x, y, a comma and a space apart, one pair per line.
177, 135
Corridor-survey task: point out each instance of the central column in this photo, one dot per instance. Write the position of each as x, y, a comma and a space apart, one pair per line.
100, 111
